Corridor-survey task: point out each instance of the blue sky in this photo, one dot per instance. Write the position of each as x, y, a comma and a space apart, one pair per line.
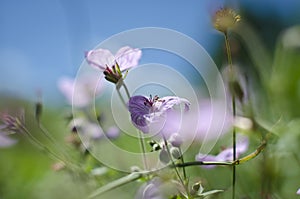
42, 40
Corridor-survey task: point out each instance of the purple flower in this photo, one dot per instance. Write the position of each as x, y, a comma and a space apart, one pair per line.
151, 114
126, 57
80, 91
298, 192
150, 190
225, 155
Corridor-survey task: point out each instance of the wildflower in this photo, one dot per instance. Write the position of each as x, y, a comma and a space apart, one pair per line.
6, 141
225, 19
80, 92
175, 140
225, 155
112, 132
87, 131
147, 111
12, 124
150, 190
114, 65
160, 187
298, 192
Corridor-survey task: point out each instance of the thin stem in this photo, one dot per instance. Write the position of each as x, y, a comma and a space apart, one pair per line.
231, 79
117, 183
42, 147
126, 90
121, 97
143, 148
182, 161
53, 141
175, 168
137, 175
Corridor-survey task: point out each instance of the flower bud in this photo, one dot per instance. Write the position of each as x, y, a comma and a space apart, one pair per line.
38, 111
164, 156
176, 140
175, 153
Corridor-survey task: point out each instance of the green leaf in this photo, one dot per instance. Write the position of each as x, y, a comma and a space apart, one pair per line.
285, 79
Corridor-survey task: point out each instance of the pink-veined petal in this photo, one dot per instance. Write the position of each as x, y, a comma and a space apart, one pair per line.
128, 57
100, 58
168, 102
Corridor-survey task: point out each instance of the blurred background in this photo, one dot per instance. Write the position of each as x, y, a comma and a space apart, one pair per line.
41, 41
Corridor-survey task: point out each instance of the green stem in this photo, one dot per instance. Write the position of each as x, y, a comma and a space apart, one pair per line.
117, 183
52, 140
143, 148
231, 79
182, 161
44, 148
126, 90
175, 168
121, 97
137, 175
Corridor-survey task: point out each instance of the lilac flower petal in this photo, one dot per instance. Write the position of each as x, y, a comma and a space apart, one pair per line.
5, 141
169, 102
150, 190
138, 109
209, 158
227, 154
93, 130
100, 58
128, 57
298, 192
241, 147
113, 132
80, 91
147, 114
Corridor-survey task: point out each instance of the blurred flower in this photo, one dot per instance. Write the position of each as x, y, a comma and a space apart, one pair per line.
150, 190
12, 124
113, 66
213, 120
87, 131
6, 141
298, 191
112, 132
80, 91
175, 140
58, 166
227, 154
225, 19
146, 112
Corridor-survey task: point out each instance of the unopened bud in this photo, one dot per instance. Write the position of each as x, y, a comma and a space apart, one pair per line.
38, 111
175, 153
164, 156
